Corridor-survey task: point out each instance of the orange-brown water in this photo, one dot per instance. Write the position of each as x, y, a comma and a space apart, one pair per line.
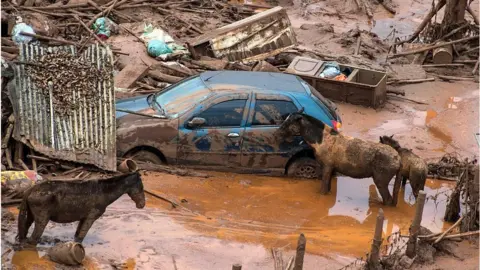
232, 218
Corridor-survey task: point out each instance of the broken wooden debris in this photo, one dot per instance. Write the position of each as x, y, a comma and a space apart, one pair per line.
448, 230
388, 6
443, 65
443, 55
174, 204
415, 227
158, 75
427, 48
300, 254
424, 23
455, 78
133, 72
411, 81
373, 260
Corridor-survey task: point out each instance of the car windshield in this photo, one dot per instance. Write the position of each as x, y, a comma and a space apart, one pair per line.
183, 96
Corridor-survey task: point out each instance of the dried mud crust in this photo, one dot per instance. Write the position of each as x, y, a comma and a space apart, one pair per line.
69, 74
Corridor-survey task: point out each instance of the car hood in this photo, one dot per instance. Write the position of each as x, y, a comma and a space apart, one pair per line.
135, 104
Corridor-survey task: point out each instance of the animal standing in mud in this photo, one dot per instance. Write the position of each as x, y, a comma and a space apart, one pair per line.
413, 167
69, 201
349, 156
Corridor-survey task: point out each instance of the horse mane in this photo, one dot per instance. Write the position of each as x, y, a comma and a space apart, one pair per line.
390, 140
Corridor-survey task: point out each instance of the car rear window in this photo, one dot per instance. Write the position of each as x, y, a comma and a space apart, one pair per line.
322, 100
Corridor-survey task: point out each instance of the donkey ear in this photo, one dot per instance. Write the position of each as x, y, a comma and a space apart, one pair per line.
381, 139
392, 136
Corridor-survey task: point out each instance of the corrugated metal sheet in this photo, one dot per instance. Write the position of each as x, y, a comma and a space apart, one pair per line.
87, 136
254, 38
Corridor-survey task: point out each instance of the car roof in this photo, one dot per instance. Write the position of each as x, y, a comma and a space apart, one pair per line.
249, 80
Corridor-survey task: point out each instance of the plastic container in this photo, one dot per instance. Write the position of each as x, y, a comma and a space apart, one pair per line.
127, 166
70, 253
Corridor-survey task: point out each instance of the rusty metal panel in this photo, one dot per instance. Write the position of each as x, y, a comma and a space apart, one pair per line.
88, 134
254, 38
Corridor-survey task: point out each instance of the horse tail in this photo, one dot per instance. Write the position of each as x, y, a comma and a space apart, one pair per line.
23, 216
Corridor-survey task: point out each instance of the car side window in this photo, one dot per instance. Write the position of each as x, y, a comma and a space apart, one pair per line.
224, 114
272, 112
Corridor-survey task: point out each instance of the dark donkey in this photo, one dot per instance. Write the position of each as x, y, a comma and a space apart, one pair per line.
349, 156
69, 201
413, 168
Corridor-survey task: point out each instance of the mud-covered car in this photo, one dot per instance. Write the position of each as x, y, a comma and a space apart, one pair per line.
224, 120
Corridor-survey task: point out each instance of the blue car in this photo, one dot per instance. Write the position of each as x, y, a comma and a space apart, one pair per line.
224, 120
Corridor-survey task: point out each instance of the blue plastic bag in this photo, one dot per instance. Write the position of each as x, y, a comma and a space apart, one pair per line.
156, 48
332, 69
104, 27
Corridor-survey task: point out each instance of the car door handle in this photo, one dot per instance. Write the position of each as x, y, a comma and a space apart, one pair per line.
233, 135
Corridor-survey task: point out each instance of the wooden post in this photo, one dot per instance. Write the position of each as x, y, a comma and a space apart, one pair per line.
415, 227
374, 257
301, 245
237, 266
18, 154
34, 162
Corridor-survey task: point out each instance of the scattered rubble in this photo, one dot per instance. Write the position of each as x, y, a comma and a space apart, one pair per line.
221, 35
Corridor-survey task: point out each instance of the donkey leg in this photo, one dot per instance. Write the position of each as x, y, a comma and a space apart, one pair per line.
396, 188
24, 227
40, 224
85, 225
326, 178
79, 227
382, 184
404, 181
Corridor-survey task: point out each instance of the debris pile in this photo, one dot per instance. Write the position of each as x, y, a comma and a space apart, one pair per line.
445, 48
69, 74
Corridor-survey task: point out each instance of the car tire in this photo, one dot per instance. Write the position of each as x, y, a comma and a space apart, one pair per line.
146, 156
304, 167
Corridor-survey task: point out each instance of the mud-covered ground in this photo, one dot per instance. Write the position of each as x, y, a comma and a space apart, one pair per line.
235, 218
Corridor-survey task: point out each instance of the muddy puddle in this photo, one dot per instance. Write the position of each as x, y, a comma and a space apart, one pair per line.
231, 218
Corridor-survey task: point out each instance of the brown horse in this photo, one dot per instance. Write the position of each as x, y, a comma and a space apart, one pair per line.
413, 167
349, 156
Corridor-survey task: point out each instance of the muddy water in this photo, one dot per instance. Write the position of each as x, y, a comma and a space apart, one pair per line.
232, 218
273, 211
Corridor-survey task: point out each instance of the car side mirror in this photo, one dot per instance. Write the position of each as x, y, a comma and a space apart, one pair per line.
196, 122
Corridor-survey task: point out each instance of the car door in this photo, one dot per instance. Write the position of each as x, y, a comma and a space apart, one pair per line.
260, 149
218, 141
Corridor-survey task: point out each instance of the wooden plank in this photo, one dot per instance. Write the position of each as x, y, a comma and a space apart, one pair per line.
127, 77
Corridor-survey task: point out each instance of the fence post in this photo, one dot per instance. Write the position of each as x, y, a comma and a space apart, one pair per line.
374, 256
415, 227
237, 266
302, 243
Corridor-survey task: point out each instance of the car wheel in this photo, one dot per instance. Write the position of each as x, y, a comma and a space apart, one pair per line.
304, 167
146, 156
